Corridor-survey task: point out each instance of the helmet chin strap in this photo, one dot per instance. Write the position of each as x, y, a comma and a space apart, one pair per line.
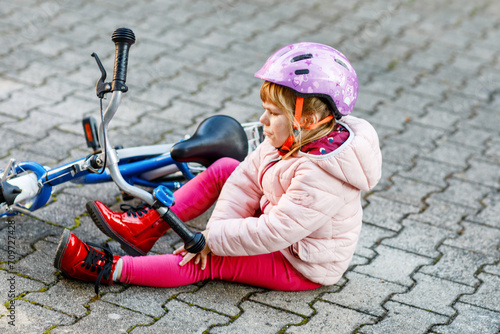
285, 148
299, 105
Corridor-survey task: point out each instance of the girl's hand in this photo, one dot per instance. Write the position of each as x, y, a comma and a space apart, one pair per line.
200, 257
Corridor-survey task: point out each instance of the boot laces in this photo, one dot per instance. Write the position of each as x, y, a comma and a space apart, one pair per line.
135, 211
99, 262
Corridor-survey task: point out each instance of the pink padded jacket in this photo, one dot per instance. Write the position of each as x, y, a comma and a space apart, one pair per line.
311, 204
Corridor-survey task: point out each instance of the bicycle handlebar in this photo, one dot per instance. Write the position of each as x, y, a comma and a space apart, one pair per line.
194, 242
123, 39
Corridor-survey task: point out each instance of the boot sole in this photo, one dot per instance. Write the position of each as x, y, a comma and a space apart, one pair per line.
61, 248
101, 223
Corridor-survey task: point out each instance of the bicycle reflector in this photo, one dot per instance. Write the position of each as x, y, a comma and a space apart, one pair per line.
90, 130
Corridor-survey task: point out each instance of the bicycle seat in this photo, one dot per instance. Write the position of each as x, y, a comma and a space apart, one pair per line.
216, 137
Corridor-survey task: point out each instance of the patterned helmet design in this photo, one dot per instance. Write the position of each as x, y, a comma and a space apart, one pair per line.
313, 69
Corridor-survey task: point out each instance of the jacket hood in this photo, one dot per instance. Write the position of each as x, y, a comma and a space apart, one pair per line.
358, 161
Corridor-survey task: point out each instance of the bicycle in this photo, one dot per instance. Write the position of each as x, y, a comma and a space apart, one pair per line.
27, 186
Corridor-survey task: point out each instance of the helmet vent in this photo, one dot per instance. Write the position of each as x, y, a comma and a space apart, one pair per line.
341, 63
301, 57
306, 71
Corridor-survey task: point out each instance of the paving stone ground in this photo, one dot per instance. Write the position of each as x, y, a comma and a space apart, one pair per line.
428, 260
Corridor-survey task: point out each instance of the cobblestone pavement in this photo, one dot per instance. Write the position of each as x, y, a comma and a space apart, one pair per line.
428, 260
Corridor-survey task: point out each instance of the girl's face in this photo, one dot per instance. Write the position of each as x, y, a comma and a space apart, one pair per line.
276, 124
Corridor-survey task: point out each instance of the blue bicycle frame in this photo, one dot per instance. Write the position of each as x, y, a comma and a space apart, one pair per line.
131, 172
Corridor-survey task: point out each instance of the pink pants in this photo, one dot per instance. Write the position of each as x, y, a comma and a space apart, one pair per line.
270, 271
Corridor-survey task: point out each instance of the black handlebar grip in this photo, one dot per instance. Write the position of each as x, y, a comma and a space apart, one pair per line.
123, 39
193, 242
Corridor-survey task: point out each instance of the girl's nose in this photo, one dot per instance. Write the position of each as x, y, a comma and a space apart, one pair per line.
263, 119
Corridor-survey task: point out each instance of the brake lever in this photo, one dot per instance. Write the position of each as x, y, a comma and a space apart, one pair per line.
102, 87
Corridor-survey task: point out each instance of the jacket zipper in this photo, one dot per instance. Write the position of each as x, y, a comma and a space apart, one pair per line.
269, 165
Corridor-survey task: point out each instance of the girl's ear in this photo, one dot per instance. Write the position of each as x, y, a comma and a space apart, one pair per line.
309, 119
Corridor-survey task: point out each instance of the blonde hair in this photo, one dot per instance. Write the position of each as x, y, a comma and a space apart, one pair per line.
313, 111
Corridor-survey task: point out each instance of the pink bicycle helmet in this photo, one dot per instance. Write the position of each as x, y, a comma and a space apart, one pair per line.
313, 69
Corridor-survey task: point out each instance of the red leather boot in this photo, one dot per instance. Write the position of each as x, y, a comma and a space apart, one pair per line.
77, 259
137, 229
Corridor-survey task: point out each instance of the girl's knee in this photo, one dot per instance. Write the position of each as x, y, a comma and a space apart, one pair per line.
224, 166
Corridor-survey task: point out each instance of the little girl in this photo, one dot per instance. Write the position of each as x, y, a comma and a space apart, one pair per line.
286, 218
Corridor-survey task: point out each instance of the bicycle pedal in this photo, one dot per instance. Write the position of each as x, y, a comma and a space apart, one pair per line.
90, 131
